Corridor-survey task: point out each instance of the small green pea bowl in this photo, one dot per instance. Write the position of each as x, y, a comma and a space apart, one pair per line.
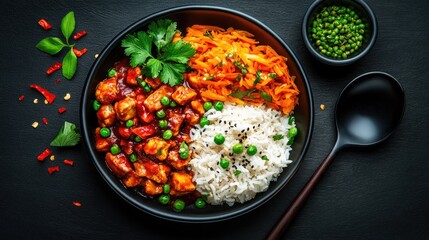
318, 36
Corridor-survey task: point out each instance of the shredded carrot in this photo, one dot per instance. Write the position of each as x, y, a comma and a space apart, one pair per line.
231, 61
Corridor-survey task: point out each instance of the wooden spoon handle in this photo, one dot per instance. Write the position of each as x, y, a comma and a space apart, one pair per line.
300, 199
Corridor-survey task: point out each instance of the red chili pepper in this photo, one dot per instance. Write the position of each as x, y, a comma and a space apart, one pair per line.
50, 97
53, 169
21, 97
62, 109
45, 25
68, 162
44, 154
53, 68
57, 81
77, 204
45, 121
79, 53
79, 35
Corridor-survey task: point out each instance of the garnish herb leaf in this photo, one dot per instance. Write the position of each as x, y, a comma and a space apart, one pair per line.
170, 60
68, 135
67, 25
242, 94
266, 97
69, 64
237, 172
278, 137
51, 45
258, 77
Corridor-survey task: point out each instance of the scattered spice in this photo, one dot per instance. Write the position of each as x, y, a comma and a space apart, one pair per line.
67, 96
44, 24
35, 101
62, 109
21, 97
322, 107
53, 68
68, 162
96, 55
35, 124
52, 157
45, 121
45, 102
77, 204
57, 81
53, 169
79, 53
44, 154
79, 35
48, 95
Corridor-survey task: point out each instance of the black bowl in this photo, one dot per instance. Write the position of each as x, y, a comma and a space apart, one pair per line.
186, 16
369, 37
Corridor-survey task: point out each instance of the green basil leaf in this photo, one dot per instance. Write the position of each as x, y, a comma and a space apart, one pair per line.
68, 135
50, 45
69, 64
67, 25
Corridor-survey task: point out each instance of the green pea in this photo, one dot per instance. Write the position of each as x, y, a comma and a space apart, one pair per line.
164, 199
204, 121
163, 124
115, 149
165, 100
133, 157
251, 150
224, 163
167, 134
160, 113
96, 105
218, 105
293, 131
200, 203
166, 188
184, 155
138, 139
179, 205
219, 139
237, 148
111, 73
129, 123
105, 132
207, 106
173, 104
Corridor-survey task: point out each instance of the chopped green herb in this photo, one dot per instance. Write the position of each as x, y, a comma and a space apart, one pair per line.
264, 158
265, 96
237, 172
278, 137
242, 94
208, 34
67, 136
239, 76
241, 66
258, 77
272, 75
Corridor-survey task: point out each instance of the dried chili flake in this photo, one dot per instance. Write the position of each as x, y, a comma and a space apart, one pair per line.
77, 204
57, 81
79, 53
79, 35
53, 169
68, 162
21, 97
62, 109
44, 24
56, 66
44, 154
45, 121
50, 97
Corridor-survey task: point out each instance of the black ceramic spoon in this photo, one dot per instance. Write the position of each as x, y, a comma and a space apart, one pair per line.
366, 113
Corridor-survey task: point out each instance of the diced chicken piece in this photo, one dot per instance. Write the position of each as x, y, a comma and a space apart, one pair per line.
144, 114
106, 91
174, 160
154, 83
151, 187
102, 144
181, 183
197, 105
183, 137
131, 180
157, 172
183, 95
157, 147
126, 146
175, 120
153, 101
132, 75
106, 115
118, 164
191, 116
126, 108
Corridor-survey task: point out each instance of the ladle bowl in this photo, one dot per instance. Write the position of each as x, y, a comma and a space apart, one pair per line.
367, 112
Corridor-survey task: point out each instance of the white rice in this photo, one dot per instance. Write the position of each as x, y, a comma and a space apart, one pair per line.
260, 124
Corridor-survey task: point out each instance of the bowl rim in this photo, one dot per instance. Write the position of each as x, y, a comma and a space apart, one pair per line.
120, 190
340, 62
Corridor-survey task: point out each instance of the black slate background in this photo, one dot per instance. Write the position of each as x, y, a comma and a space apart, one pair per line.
371, 193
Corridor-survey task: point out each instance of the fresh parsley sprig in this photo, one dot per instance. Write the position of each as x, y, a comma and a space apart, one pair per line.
67, 136
53, 45
157, 54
